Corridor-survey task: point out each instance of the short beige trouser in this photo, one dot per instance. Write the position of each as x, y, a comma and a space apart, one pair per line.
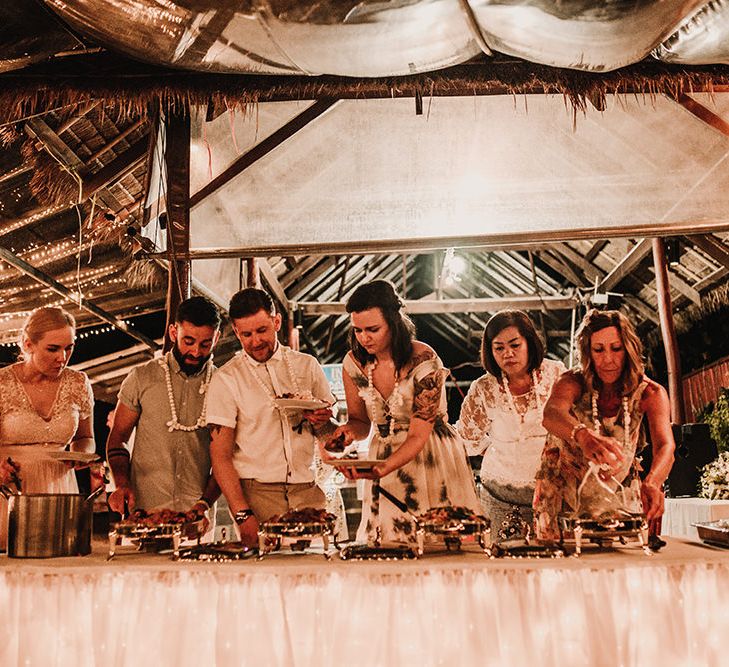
267, 499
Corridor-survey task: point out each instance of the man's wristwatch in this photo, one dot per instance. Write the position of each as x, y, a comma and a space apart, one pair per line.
241, 516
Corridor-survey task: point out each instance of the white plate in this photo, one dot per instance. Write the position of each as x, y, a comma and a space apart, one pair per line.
301, 403
76, 457
34, 453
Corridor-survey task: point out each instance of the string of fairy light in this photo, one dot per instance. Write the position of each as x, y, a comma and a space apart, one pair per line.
81, 334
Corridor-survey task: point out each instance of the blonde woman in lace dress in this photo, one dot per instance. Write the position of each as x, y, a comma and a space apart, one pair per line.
501, 417
45, 406
395, 386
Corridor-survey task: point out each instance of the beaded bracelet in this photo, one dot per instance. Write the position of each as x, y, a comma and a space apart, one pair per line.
575, 429
241, 516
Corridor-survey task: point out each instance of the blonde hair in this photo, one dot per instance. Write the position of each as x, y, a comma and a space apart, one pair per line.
634, 368
41, 321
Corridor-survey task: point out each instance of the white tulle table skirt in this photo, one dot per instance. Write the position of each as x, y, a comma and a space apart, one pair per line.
604, 609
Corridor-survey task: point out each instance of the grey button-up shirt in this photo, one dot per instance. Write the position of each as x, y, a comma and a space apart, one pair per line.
169, 470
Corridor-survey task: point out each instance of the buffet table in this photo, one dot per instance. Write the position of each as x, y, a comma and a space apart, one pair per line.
613, 608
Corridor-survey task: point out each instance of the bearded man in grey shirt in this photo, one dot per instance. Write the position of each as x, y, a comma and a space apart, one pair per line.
165, 400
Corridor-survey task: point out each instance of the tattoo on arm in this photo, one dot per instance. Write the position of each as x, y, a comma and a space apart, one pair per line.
426, 398
215, 429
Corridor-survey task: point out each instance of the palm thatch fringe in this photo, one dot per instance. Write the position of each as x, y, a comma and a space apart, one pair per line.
50, 183
138, 89
145, 274
713, 301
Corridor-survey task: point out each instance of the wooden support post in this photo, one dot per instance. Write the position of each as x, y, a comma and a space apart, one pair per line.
253, 273
177, 158
668, 332
293, 332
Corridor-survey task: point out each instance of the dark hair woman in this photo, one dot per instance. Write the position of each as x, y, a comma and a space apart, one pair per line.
501, 417
594, 416
396, 384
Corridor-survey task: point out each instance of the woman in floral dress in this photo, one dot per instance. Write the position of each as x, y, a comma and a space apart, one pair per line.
501, 417
395, 385
594, 417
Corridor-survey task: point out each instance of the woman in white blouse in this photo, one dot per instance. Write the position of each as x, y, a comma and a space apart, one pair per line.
501, 416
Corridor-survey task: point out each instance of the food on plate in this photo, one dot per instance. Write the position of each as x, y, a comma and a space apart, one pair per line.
155, 518
336, 444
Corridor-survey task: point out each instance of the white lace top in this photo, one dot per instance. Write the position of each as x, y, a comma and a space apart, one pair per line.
511, 443
20, 423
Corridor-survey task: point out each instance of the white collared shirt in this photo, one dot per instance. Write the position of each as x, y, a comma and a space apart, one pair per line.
267, 447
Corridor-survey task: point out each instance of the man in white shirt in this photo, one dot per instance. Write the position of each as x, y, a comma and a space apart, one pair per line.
262, 455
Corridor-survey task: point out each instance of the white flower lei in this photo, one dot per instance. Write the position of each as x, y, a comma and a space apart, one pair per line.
266, 389
626, 419
173, 424
395, 397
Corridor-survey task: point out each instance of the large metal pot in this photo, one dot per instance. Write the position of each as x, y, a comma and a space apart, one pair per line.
47, 525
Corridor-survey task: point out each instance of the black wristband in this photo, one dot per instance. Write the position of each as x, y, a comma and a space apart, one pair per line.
241, 516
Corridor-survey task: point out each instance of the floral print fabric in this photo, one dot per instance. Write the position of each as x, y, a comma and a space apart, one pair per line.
564, 465
438, 475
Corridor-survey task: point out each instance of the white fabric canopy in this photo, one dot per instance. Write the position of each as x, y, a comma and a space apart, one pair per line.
468, 171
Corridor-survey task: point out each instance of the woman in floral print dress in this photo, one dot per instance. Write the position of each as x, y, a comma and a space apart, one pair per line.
594, 417
396, 384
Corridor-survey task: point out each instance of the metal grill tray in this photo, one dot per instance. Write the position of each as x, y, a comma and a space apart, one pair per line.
614, 526
300, 529
365, 552
454, 527
190, 530
217, 552
714, 532
501, 550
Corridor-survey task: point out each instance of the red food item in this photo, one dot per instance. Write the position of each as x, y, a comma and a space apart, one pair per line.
140, 517
336, 444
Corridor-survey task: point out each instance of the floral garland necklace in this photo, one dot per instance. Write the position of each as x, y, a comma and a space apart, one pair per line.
173, 424
395, 397
512, 404
266, 389
626, 419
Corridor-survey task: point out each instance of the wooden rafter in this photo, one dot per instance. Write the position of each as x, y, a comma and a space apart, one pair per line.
713, 247
713, 120
432, 306
63, 291
274, 285
627, 265
263, 148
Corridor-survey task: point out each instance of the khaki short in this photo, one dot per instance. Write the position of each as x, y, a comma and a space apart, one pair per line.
267, 499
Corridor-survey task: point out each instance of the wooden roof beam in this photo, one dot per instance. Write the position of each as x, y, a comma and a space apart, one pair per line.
63, 291
434, 306
713, 247
697, 109
274, 285
627, 265
264, 147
